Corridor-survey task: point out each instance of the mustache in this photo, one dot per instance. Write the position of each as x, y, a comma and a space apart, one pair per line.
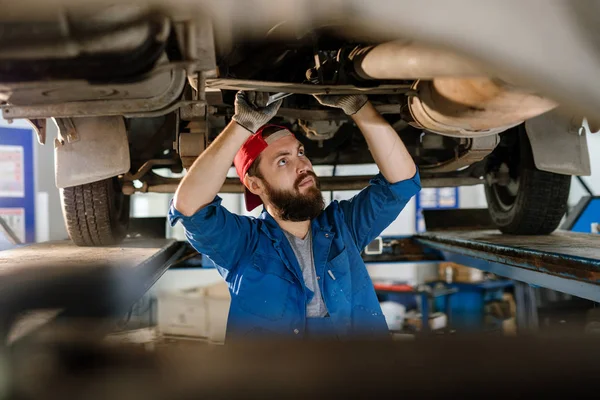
304, 176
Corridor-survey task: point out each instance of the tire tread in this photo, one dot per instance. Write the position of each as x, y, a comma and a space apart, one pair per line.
87, 212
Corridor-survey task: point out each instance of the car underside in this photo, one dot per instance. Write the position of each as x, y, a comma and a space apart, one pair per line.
134, 90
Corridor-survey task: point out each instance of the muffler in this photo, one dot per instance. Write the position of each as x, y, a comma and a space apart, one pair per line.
472, 106
452, 95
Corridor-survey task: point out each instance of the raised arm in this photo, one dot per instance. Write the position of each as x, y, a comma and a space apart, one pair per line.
390, 154
373, 209
388, 150
206, 176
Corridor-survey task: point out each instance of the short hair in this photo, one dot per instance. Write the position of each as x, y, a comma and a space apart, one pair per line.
253, 170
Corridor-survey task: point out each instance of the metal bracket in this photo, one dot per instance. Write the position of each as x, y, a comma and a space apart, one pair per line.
147, 167
191, 144
479, 148
66, 130
192, 111
196, 109
39, 126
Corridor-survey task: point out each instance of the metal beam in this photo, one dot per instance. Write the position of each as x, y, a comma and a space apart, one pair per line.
328, 183
573, 287
304, 88
565, 261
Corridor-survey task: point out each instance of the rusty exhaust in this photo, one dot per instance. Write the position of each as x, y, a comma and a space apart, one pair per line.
453, 95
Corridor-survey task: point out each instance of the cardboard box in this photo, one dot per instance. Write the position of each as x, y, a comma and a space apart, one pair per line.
218, 301
199, 312
509, 327
437, 320
459, 273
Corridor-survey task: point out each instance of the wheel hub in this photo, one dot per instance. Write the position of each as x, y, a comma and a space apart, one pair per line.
505, 186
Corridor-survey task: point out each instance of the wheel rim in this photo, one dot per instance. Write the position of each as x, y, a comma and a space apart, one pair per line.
507, 191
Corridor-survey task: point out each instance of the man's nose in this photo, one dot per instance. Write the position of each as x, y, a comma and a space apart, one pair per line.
303, 166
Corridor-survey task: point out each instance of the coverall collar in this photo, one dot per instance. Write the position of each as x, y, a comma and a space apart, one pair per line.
272, 229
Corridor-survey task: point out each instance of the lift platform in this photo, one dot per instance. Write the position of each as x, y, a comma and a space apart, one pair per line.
567, 262
86, 282
106, 282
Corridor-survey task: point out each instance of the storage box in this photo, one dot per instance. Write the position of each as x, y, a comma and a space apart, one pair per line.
451, 272
218, 301
199, 312
437, 320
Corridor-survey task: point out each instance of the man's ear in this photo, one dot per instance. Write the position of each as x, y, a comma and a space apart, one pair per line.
254, 185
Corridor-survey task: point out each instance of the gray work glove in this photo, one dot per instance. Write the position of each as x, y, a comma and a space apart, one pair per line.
250, 109
350, 104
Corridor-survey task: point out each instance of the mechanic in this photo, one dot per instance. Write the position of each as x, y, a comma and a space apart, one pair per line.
295, 271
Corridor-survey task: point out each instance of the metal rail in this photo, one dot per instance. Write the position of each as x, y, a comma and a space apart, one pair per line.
564, 261
304, 88
328, 183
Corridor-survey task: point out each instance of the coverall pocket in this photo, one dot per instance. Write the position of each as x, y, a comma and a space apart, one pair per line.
265, 288
337, 277
350, 274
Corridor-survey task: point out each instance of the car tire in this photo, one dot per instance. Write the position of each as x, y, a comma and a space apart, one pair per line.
97, 213
531, 202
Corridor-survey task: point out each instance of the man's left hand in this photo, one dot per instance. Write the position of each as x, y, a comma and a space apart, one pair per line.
350, 104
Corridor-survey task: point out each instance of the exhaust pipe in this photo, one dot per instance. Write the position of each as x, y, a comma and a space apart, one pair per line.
406, 60
473, 106
453, 96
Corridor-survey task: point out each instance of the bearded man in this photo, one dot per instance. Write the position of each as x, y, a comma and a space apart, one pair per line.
295, 271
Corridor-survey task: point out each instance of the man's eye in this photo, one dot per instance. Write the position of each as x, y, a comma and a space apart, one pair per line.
301, 153
282, 162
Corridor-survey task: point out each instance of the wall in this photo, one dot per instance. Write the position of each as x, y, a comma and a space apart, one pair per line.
49, 220
47, 188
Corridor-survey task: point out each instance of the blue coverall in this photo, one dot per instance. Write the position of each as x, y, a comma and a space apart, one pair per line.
268, 294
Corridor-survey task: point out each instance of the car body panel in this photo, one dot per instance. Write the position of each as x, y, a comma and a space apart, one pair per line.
559, 143
90, 149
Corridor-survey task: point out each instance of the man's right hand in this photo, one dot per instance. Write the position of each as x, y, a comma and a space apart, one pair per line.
250, 109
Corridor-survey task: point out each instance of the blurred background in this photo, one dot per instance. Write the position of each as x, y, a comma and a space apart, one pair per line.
495, 100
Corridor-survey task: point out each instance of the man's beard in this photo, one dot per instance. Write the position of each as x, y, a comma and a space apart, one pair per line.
295, 206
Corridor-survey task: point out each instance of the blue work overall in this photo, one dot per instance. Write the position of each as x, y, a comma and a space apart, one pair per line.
268, 295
